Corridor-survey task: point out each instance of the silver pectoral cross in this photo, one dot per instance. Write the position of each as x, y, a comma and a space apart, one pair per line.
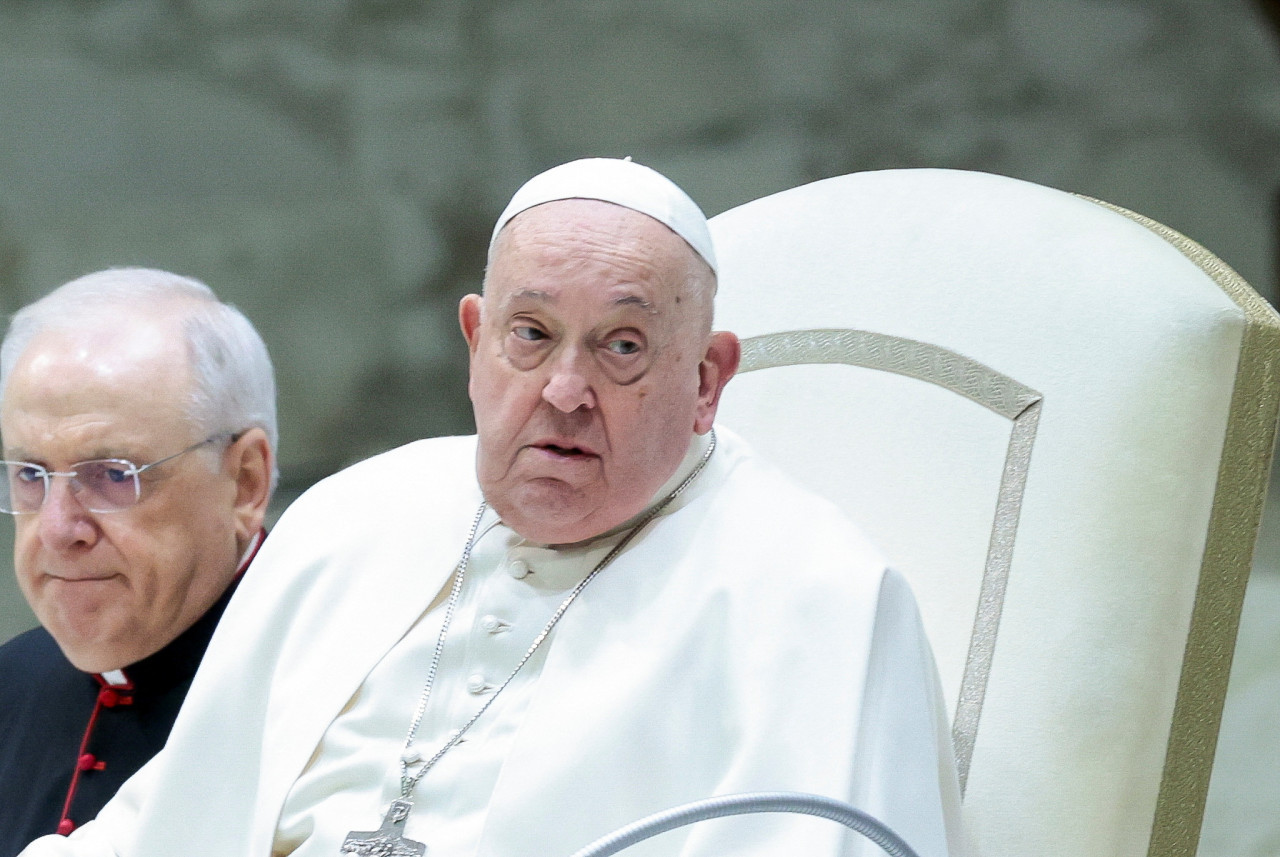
388, 840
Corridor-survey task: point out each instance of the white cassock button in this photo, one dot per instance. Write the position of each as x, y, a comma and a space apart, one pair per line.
493, 624
477, 684
518, 569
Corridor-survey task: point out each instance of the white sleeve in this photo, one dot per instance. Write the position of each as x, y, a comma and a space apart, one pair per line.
905, 773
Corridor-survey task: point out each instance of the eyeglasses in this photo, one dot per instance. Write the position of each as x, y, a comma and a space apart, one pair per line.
100, 485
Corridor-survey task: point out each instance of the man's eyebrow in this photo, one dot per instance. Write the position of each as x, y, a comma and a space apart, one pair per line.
96, 453
529, 295
636, 300
537, 295
18, 453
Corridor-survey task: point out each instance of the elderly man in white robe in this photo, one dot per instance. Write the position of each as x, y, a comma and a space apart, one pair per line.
598, 608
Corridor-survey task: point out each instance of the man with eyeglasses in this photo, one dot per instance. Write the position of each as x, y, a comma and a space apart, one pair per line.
138, 421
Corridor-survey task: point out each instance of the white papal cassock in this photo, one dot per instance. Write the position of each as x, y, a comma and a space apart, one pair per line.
749, 639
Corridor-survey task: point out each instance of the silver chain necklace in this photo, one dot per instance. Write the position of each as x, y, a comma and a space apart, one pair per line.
388, 840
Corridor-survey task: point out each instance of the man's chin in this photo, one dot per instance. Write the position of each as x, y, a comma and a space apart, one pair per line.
540, 528
93, 655
555, 517
93, 640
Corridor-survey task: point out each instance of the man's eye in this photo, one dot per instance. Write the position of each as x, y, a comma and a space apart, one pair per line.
28, 474
623, 346
115, 474
529, 334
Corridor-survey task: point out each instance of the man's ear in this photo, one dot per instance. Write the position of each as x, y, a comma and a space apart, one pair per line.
250, 461
469, 320
717, 367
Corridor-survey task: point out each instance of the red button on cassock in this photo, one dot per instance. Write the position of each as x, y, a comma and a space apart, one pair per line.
89, 762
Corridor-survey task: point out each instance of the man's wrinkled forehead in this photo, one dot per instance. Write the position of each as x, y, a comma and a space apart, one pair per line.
621, 182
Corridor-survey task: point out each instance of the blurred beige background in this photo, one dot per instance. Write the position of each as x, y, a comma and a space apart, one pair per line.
334, 167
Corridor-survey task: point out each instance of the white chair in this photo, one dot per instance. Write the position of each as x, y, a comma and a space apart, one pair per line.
1056, 417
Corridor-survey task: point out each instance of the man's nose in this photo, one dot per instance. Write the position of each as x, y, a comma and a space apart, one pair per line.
569, 386
63, 521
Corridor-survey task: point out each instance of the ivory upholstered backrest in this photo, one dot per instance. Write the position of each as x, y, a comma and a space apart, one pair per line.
1056, 418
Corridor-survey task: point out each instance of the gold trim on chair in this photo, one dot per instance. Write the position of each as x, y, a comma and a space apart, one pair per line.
980, 384
1224, 571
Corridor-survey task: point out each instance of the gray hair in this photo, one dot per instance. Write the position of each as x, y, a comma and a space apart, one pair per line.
233, 386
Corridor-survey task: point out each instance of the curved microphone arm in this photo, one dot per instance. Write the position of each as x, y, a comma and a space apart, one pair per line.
742, 804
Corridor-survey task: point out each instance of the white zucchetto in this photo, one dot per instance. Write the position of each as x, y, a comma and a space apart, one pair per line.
621, 182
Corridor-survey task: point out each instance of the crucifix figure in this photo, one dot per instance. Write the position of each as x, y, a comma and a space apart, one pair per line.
388, 840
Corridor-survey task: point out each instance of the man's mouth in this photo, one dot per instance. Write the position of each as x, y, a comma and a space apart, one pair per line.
81, 577
565, 450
